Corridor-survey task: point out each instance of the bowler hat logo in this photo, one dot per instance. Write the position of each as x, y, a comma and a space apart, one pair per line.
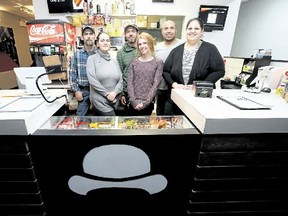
117, 166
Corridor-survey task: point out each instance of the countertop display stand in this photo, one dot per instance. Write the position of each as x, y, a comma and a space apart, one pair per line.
241, 167
20, 193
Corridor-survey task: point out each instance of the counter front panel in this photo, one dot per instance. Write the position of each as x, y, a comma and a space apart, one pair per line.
137, 171
19, 190
241, 175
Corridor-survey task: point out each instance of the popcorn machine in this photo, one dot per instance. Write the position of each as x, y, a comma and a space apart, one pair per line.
52, 43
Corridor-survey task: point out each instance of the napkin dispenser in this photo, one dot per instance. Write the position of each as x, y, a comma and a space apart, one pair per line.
203, 88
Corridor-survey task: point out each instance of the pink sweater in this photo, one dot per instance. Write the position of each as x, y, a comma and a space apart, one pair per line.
143, 80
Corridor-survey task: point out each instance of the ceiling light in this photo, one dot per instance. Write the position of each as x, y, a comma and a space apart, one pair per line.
26, 10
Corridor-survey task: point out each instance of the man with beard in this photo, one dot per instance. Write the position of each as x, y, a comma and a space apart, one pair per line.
162, 51
78, 76
124, 57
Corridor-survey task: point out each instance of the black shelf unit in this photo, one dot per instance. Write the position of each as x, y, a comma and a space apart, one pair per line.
265, 61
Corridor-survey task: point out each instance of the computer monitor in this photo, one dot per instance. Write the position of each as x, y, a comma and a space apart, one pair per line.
27, 74
213, 16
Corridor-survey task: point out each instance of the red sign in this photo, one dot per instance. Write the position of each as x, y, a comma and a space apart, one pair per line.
70, 33
46, 33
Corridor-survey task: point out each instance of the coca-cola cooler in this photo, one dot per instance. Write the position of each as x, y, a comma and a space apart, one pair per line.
52, 42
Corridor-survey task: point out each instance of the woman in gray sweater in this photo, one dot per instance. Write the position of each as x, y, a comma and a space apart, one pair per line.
105, 78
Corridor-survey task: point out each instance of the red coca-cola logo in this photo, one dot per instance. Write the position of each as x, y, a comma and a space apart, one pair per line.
45, 29
46, 33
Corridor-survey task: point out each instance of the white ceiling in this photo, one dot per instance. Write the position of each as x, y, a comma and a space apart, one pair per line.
14, 6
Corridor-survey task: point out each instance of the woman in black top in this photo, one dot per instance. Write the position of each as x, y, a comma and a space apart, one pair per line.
193, 60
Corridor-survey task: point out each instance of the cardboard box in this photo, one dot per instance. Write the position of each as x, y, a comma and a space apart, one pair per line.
56, 76
8, 80
7, 75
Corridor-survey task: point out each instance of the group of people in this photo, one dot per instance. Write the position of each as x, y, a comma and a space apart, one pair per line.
142, 73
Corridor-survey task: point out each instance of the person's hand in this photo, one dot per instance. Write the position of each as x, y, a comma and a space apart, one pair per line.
188, 87
111, 96
123, 100
175, 85
79, 96
139, 106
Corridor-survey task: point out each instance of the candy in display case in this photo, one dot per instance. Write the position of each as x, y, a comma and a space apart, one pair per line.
117, 122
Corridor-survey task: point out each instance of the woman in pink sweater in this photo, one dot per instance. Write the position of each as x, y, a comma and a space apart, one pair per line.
144, 77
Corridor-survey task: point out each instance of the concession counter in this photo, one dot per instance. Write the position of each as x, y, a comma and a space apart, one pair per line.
20, 116
243, 159
115, 165
228, 155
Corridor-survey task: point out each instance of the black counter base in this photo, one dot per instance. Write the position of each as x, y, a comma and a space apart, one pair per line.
19, 190
241, 175
61, 157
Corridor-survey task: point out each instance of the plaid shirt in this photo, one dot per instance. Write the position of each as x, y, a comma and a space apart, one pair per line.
78, 75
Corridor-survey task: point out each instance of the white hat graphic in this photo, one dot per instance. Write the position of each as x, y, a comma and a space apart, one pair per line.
117, 166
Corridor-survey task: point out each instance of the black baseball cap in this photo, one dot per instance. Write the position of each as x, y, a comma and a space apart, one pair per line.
131, 25
88, 27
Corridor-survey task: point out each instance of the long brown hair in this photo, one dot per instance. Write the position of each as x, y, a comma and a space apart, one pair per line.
150, 41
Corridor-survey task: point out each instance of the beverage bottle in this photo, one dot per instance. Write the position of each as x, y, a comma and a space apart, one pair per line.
132, 7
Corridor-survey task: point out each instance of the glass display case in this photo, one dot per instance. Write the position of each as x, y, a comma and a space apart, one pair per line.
143, 159
118, 124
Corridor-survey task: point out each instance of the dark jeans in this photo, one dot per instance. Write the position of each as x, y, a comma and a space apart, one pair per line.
123, 109
162, 98
172, 109
84, 105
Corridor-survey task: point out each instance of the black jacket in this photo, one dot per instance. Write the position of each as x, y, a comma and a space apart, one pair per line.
208, 65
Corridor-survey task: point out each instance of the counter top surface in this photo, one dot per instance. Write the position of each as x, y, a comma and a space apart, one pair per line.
214, 116
24, 121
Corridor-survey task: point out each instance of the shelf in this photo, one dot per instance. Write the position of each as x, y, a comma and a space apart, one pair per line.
70, 17
151, 29
123, 16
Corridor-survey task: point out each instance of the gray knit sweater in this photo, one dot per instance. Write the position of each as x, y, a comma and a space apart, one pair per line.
104, 76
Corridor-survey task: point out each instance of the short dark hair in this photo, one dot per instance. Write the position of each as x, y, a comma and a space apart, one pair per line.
199, 20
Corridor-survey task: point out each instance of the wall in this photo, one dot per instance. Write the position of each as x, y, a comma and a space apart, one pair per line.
262, 24
20, 35
222, 39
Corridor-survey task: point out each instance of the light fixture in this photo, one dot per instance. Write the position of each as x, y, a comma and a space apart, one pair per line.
26, 10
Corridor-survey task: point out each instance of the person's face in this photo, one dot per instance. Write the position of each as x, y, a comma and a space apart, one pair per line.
143, 46
169, 31
104, 43
88, 37
194, 31
131, 35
